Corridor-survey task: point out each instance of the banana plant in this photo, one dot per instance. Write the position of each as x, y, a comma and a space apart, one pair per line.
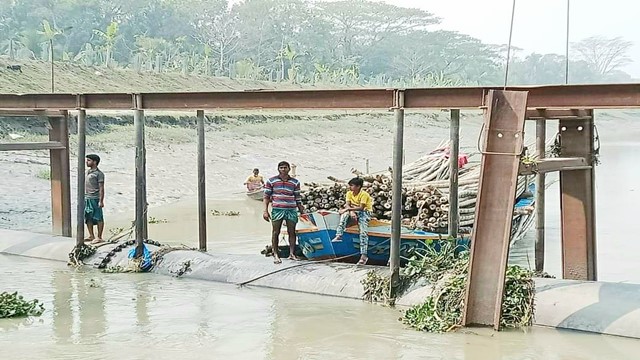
87, 56
288, 53
109, 38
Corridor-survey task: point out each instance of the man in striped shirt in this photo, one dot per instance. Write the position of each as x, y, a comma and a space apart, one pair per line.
283, 192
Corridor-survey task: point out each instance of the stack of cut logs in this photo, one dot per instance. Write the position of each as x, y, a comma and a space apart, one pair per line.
425, 193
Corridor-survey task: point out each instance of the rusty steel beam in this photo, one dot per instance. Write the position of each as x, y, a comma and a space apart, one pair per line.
558, 114
501, 150
577, 203
303, 99
49, 145
449, 98
37, 101
31, 113
317, 99
542, 166
557, 96
60, 177
106, 101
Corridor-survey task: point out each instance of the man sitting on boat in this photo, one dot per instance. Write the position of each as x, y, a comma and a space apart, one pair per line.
359, 206
255, 181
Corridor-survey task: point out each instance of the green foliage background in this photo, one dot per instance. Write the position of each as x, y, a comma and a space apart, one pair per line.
351, 42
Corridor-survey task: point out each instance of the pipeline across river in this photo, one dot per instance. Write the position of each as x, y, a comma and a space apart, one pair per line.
597, 307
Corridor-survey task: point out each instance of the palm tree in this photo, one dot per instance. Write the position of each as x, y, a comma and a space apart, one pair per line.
50, 33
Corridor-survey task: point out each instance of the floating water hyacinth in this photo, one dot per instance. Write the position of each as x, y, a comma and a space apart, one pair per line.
14, 305
446, 271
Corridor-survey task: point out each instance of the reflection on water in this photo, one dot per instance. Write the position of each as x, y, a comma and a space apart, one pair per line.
140, 316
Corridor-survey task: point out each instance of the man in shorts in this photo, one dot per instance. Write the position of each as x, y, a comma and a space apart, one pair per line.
283, 193
94, 198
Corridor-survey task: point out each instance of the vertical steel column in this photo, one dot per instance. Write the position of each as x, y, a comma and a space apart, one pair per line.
454, 137
202, 194
60, 176
541, 139
502, 146
396, 205
577, 202
82, 141
141, 199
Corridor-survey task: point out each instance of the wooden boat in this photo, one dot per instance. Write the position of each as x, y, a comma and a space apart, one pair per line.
256, 194
316, 230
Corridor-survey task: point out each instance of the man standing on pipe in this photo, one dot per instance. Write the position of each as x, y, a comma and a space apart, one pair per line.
94, 198
283, 192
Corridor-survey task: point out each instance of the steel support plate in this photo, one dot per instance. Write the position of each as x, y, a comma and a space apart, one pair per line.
60, 177
577, 203
502, 146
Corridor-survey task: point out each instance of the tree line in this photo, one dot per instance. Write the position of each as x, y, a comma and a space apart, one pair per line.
340, 42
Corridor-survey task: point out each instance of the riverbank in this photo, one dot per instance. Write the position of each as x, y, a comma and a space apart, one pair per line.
236, 143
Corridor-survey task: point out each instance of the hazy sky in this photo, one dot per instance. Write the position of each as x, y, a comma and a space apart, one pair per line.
539, 25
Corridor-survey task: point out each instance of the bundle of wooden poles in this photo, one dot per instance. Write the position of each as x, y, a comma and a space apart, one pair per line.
425, 192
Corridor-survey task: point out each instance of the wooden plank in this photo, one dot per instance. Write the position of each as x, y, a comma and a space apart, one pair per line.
202, 193
19, 146
60, 178
503, 144
577, 203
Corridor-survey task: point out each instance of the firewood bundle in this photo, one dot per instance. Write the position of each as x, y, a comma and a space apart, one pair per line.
425, 192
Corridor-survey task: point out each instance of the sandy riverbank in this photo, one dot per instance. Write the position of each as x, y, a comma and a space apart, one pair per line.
320, 146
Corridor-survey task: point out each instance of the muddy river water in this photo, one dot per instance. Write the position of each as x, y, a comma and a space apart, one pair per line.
90, 315
118, 316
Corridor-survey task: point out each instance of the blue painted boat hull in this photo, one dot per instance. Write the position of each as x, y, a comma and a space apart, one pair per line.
316, 230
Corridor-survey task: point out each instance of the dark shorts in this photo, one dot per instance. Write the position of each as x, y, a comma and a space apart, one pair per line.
92, 211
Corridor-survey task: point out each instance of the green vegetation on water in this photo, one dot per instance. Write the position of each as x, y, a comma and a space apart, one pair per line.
14, 305
215, 212
153, 220
446, 271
